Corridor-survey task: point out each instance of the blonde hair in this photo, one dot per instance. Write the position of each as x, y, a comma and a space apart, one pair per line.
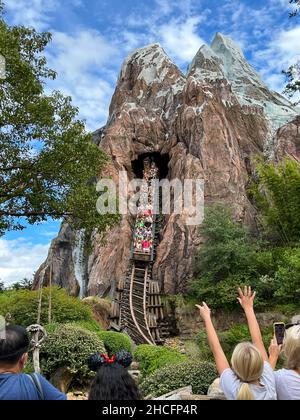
248, 365
291, 348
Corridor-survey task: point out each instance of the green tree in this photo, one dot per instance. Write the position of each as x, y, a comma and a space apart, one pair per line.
230, 258
228, 249
288, 277
293, 72
277, 195
293, 80
2, 287
46, 156
24, 284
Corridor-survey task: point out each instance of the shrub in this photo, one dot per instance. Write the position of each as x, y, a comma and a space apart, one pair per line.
240, 333
276, 193
151, 358
69, 346
29, 365
199, 375
205, 351
288, 276
235, 335
265, 287
230, 258
229, 339
228, 249
92, 326
115, 342
51, 328
23, 306
220, 296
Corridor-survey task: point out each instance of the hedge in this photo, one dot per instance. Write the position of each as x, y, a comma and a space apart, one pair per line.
23, 307
151, 358
200, 375
69, 346
115, 342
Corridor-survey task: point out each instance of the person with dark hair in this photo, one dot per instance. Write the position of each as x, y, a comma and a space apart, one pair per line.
113, 381
14, 385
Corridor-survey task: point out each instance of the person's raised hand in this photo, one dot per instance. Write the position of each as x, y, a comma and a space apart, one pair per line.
246, 298
205, 311
274, 349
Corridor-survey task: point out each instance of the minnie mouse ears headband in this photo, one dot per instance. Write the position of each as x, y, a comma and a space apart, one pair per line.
97, 360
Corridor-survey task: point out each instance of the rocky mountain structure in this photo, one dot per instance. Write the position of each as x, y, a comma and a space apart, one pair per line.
210, 124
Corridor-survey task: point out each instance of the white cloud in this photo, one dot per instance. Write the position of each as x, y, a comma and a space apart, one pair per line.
87, 62
175, 25
35, 13
265, 34
288, 43
166, 7
275, 81
80, 60
133, 40
20, 259
281, 52
74, 54
180, 39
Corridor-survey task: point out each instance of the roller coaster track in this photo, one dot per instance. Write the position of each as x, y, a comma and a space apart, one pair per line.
138, 302
137, 308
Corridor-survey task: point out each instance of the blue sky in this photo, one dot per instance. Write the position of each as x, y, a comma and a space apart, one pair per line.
91, 38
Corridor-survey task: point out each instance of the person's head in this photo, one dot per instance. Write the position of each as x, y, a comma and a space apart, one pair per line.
248, 365
112, 381
14, 349
291, 348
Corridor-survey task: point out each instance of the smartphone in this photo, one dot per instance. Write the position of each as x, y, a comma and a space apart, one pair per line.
279, 331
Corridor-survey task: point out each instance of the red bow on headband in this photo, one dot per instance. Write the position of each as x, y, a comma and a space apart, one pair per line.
108, 360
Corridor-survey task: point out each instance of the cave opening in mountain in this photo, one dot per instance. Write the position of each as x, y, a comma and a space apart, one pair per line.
160, 160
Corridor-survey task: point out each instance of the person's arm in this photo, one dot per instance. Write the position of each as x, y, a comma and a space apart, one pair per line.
274, 352
213, 340
246, 301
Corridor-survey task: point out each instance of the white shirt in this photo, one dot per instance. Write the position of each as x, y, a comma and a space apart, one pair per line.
287, 384
231, 385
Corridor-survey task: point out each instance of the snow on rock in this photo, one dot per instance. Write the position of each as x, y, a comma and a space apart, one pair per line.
153, 62
233, 63
206, 65
225, 59
140, 95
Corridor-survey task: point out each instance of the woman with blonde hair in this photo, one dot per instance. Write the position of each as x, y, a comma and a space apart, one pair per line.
288, 379
250, 376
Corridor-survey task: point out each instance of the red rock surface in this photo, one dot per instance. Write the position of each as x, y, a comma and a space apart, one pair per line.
209, 131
